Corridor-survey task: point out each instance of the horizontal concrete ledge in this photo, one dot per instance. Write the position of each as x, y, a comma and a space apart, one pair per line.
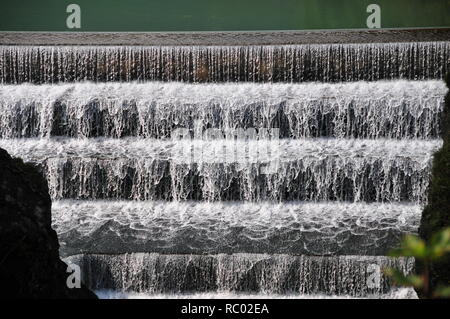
225, 38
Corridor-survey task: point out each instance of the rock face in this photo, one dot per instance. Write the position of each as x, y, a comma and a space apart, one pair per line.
30, 266
436, 214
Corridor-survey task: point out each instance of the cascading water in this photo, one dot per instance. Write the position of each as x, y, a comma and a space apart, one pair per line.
334, 175
312, 169
268, 274
190, 227
284, 63
400, 109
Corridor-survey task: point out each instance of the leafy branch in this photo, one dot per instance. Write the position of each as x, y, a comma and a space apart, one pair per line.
426, 252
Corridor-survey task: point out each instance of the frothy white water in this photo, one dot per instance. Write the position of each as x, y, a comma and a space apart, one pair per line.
278, 63
397, 293
247, 273
150, 167
39, 149
354, 170
397, 109
231, 227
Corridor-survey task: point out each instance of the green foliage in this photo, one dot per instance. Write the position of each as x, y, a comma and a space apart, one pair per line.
443, 292
439, 244
426, 252
404, 280
412, 246
436, 215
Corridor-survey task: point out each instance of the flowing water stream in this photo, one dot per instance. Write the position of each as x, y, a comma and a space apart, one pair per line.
319, 162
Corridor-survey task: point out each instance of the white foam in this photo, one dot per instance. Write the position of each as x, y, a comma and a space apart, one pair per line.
399, 293
395, 109
219, 227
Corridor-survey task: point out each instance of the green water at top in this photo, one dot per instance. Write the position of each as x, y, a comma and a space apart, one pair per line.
220, 15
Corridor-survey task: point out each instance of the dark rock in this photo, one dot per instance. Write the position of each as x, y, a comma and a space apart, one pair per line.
30, 266
436, 214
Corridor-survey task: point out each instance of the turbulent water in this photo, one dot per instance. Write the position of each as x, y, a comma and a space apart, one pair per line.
199, 227
315, 170
290, 63
401, 109
270, 274
173, 176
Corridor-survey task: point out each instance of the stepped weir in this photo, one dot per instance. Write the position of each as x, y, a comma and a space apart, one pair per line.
276, 169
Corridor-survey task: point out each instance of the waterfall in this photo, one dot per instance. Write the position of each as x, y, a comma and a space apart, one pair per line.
286, 63
284, 170
312, 170
270, 274
401, 109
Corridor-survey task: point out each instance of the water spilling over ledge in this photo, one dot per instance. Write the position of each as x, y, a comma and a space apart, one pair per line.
348, 176
329, 228
284, 63
389, 109
270, 274
314, 170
